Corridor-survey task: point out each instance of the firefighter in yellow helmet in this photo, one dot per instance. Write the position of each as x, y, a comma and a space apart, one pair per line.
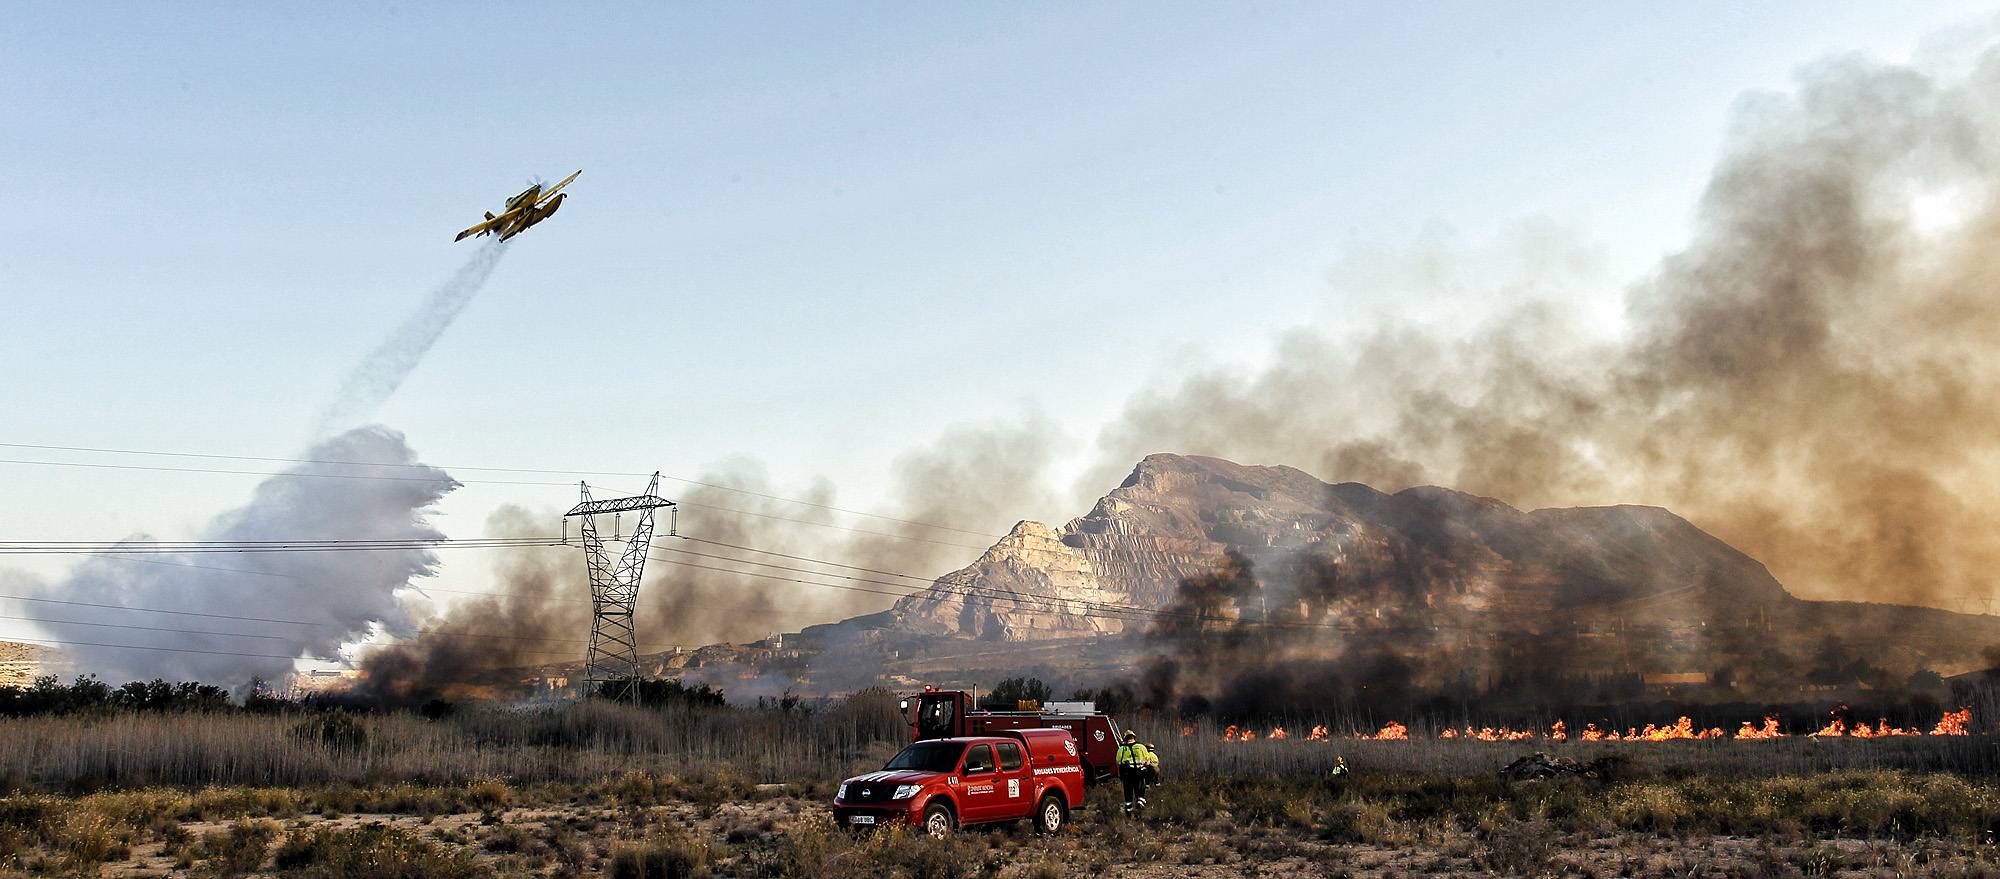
1137, 765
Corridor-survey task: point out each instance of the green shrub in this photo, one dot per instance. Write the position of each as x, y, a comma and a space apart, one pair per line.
901, 852
1270, 802
371, 852
219, 803
238, 850
661, 856
1204, 848
1357, 820
1525, 848
1658, 808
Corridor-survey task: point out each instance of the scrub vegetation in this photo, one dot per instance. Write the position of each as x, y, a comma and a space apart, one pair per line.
1367, 824
689, 790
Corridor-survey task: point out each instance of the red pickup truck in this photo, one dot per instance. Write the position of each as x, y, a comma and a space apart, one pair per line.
942, 784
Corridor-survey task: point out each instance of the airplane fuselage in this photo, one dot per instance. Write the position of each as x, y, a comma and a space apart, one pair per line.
527, 196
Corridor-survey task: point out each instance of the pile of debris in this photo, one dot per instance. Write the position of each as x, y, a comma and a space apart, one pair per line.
1540, 766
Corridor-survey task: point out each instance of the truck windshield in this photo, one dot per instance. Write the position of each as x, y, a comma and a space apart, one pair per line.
928, 757
934, 717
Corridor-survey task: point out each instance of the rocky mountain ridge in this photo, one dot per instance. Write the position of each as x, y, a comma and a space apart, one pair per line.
1444, 552
1238, 578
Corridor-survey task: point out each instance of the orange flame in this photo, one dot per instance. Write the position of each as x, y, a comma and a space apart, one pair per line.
1391, 732
1768, 731
1953, 723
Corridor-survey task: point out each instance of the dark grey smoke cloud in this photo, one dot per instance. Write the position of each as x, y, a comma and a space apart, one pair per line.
479, 646
385, 368
1811, 378
340, 593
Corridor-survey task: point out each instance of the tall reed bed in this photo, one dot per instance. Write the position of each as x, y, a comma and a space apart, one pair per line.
592, 741
575, 743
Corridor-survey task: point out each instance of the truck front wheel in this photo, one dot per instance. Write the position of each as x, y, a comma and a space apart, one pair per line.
1051, 814
938, 821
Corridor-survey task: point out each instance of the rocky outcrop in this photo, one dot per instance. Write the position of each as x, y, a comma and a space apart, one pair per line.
21, 663
1441, 552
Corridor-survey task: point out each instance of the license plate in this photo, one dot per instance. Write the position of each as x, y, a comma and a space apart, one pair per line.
860, 819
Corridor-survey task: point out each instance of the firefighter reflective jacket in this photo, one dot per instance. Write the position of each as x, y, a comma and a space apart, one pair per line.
1136, 754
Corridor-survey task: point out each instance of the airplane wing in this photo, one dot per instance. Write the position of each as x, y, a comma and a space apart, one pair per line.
489, 225
546, 193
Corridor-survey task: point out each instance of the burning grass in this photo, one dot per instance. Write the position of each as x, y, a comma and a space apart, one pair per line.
731, 748
604, 789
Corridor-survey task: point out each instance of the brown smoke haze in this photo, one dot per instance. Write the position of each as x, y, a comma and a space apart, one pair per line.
479, 646
698, 593
975, 479
1812, 378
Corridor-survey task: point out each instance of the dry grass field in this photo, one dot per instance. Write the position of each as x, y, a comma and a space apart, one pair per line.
604, 790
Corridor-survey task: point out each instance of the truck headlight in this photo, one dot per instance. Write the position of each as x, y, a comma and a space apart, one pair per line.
906, 791
842, 793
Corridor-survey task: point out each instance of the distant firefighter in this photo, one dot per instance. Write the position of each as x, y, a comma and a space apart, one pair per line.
532, 206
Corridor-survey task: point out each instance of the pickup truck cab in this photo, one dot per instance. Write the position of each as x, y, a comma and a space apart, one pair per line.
942, 784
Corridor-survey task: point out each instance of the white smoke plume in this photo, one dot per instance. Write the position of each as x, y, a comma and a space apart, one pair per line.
384, 369
339, 594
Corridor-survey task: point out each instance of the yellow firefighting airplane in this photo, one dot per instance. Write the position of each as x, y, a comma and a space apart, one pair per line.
532, 206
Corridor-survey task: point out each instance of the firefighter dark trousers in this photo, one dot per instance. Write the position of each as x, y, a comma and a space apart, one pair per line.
1134, 779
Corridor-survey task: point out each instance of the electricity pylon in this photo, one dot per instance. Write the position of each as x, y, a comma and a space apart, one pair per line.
614, 589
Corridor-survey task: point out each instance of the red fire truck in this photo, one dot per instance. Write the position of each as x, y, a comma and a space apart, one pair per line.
941, 714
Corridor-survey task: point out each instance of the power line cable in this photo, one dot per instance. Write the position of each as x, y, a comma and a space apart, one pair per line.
1068, 604
686, 504
61, 643
185, 613
190, 548
804, 558
142, 628
680, 479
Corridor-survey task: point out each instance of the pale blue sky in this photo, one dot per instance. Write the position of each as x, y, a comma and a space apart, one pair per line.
815, 235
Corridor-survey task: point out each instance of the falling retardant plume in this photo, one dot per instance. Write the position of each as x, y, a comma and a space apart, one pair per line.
384, 369
483, 647
1811, 378
247, 615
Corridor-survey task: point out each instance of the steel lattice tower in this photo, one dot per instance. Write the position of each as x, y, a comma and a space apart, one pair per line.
614, 589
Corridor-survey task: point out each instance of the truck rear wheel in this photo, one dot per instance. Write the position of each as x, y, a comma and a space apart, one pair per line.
938, 821
1051, 814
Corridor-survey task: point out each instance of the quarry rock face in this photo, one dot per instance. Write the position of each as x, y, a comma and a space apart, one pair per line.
1425, 551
